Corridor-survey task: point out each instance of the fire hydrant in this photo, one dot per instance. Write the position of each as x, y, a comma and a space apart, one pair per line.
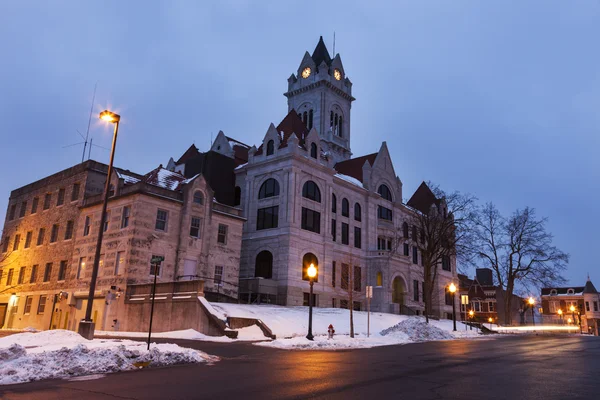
330, 331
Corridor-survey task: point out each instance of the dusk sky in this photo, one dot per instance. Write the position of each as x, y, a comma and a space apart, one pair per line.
500, 99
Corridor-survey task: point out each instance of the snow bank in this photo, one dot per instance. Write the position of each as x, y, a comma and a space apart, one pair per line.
339, 342
417, 330
58, 354
250, 333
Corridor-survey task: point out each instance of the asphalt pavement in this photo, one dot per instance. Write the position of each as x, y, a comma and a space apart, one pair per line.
499, 367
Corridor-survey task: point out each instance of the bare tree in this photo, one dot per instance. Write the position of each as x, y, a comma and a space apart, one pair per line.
351, 285
519, 250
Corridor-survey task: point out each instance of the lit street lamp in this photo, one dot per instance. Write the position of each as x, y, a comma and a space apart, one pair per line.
560, 316
531, 303
452, 290
572, 308
490, 320
471, 316
311, 272
86, 325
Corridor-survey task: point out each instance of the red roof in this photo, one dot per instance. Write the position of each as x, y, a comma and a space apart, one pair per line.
422, 199
189, 153
353, 166
290, 124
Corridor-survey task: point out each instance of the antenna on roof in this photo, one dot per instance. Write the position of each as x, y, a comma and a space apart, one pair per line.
333, 44
211, 141
87, 133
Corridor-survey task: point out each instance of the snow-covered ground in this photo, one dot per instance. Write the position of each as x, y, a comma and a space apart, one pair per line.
250, 333
52, 354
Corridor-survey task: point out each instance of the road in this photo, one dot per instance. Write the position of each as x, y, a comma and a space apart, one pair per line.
513, 367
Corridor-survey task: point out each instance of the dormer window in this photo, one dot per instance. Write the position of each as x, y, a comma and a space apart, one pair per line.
570, 291
270, 147
198, 197
313, 150
553, 292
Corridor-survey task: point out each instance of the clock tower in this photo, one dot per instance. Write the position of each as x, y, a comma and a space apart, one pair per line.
321, 94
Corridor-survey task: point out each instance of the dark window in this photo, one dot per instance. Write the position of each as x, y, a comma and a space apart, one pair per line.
22, 276
75, 192
9, 277
311, 220
345, 208
448, 298
384, 213
587, 303
264, 265
380, 243
28, 238
161, 220
40, 238
106, 221
218, 275
125, 217
414, 233
333, 274
356, 305
305, 118
12, 212
86, 226
267, 218
333, 203
195, 227
357, 279
446, 263
340, 127
415, 255
222, 234
5, 244
28, 301
357, 237
269, 188
34, 205
60, 200
345, 277
406, 249
344, 304
23, 209
198, 197
416, 290
310, 119
357, 212
237, 196
47, 200
313, 150
389, 244
334, 229
62, 270
307, 260
270, 147
311, 191
33, 276
385, 192
47, 272
54, 233
17, 242
69, 230
595, 306
345, 233
41, 304
405, 230
422, 236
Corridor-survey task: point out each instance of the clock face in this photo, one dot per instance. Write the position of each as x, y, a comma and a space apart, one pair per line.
306, 72
337, 74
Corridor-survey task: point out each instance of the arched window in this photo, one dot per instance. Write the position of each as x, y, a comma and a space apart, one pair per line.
333, 203
385, 192
237, 196
345, 208
379, 279
309, 258
269, 188
340, 127
422, 234
311, 191
313, 150
553, 292
310, 119
405, 230
357, 216
331, 121
335, 124
305, 118
270, 147
570, 291
263, 267
414, 233
198, 197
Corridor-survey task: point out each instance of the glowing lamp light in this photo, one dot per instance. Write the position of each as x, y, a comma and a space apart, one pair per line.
572, 308
559, 312
531, 301
452, 288
490, 320
569, 320
471, 313
311, 271
109, 116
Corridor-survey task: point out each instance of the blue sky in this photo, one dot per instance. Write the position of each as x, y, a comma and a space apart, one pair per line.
497, 98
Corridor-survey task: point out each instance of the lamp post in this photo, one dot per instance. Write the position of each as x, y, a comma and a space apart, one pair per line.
490, 320
531, 303
572, 309
86, 325
560, 316
311, 272
452, 289
471, 315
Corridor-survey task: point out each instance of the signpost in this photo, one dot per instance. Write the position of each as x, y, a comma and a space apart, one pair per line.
464, 300
155, 261
369, 295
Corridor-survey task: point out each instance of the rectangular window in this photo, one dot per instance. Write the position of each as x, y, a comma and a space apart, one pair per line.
345, 234
12, 212
155, 269
415, 255
47, 272
595, 306
62, 270
5, 244
345, 277
476, 306
34, 204
334, 230
28, 301
75, 192
553, 306
357, 279
384, 213
106, 221
344, 304
119, 262
23, 209
311, 220
9, 277
101, 262
69, 230
21, 276
33, 277
446, 263
416, 290
222, 234
47, 200
61, 197
333, 274
406, 249
87, 226
218, 275
161, 220
125, 217
195, 227
380, 243
587, 306
40, 238
484, 306
389, 245
28, 238
448, 298
333, 303
41, 304
357, 237
356, 305
267, 218
306, 297
54, 233
492, 306
80, 267
17, 242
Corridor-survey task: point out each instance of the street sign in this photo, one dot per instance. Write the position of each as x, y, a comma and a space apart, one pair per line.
157, 259
369, 292
464, 299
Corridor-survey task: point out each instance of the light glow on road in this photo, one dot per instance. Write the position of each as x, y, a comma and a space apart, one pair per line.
537, 328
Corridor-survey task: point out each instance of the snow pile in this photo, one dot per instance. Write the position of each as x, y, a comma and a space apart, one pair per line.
57, 354
245, 334
417, 330
350, 179
339, 342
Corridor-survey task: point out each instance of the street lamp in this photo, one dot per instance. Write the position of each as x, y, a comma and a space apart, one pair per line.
560, 316
312, 273
572, 309
452, 290
86, 325
490, 320
531, 303
471, 315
